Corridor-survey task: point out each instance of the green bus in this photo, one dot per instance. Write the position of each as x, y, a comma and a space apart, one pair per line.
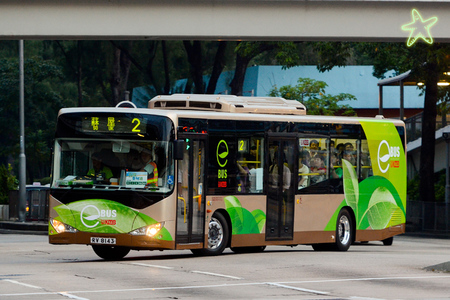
207, 172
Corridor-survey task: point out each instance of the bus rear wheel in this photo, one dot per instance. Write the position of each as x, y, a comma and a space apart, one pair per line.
344, 234
111, 252
218, 236
344, 231
388, 241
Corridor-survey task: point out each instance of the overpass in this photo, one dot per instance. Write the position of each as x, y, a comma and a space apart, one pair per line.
302, 20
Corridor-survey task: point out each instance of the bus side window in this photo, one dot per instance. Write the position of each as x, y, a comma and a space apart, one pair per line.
318, 159
365, 162
249, 161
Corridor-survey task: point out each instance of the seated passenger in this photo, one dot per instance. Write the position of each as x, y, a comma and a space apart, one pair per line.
243, 174
339, 149
336, 170
303, 170
318, 170
349, 156
100, 172
348, 146
313, 148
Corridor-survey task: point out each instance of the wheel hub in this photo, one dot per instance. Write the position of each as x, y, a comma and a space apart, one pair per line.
215, 235
344, 230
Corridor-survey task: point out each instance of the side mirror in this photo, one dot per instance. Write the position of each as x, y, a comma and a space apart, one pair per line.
178, 149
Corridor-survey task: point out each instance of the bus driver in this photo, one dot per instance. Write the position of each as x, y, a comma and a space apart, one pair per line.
150, 167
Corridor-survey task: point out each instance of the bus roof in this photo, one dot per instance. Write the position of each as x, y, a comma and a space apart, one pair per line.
229, 103
234, 112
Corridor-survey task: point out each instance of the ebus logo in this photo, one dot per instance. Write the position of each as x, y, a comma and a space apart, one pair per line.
222, 153
90, 216
385, 153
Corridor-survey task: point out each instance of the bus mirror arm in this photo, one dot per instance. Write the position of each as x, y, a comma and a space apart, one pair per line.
178, 148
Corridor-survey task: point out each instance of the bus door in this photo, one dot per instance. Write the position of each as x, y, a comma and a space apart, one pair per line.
191, 201
280, 170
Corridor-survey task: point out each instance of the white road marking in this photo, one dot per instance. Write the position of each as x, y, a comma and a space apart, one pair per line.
21, 283
298, 289
365, 298
152, 266
229, 285
215, 274
198, 272
364, 279
71, 296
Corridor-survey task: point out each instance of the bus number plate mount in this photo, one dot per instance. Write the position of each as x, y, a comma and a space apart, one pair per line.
103, 241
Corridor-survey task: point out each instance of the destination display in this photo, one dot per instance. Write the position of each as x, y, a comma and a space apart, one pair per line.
113, 124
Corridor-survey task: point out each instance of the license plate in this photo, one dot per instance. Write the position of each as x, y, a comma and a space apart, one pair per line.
103, 241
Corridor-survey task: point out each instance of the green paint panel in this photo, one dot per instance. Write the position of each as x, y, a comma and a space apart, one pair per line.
105, 216
378, 201
242, 220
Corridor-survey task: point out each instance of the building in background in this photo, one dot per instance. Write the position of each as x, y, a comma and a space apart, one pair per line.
355, 80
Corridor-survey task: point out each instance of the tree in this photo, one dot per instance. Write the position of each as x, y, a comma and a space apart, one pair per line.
42, 104
219, 64
120, 71
311, 93
428, 64
8, 182
286, 55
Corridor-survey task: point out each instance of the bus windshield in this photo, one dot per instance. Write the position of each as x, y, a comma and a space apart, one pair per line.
113, 164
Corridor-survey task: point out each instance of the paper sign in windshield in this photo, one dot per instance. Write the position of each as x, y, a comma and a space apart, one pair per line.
136, 179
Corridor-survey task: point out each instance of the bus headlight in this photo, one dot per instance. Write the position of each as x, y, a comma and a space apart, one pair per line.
150, 230
60, 227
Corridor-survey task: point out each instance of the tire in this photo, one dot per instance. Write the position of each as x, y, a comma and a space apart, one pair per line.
218, 236
111, 252
344, 231
388, 241
254, 249
344, 234
323, 247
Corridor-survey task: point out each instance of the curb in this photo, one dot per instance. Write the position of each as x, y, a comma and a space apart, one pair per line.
23, 227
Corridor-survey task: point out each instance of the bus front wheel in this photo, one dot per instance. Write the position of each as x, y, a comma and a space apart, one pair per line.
110, 252
218, 235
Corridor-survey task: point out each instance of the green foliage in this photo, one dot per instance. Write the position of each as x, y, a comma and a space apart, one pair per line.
439, 187
42, 103
312, 94
8, 182
413, 188
285, 53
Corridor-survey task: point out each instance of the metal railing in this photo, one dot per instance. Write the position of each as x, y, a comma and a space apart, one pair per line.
427, 216
36, 207
414, 125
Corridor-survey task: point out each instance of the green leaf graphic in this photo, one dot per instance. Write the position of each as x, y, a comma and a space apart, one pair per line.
351, 188
223, 154
237, 219
233, 202
385, 158
242, 220
381, 206
367, 187
260, 218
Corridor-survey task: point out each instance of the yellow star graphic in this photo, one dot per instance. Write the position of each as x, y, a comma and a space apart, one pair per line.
423, 25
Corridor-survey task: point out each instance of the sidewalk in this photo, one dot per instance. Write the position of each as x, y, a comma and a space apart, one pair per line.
30, 227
